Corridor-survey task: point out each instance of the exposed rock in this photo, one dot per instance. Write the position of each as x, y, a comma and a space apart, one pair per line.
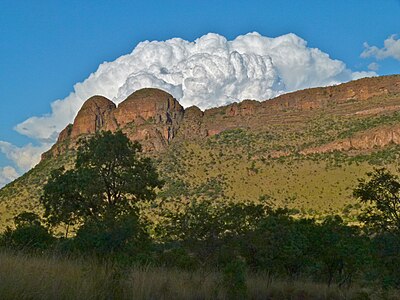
65, 133
150, 116
378, 110
149, 104
358, 90
155, 118
375, 138
150, 107
244, 108
96, 114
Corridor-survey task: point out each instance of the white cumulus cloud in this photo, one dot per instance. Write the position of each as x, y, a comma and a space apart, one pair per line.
210, 71
24, 157
391, 48
7, 174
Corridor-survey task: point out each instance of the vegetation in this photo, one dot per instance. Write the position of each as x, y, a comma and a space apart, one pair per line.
107, 182
246, 164
24, 276
248, 248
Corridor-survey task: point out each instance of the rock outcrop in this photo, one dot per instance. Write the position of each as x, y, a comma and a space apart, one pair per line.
375, 138
156, 119
96, 114
150, 116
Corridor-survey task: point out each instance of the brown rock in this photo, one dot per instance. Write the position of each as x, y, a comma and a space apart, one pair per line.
151, 116
375, 138
96, 114
149, 104
244, 108
155, 118
65, 133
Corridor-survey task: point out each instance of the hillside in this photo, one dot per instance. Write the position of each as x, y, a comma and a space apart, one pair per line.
304, 149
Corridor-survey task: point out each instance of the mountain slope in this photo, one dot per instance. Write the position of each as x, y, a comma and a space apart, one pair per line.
304, 149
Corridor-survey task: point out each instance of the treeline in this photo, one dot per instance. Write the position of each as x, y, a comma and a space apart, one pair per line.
98, 201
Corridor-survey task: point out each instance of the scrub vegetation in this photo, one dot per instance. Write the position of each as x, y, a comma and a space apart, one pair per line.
105, 233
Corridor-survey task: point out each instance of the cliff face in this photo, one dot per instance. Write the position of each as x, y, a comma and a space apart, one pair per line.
96, 114
155, 119
150, 116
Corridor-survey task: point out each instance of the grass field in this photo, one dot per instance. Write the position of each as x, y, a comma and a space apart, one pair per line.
51, 277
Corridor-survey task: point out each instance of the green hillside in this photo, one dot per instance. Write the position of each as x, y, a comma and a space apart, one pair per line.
260, 156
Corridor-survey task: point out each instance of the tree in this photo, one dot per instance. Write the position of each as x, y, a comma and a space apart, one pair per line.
63, 199
382, 194
29, 233
109, 179
339, 250
205, 231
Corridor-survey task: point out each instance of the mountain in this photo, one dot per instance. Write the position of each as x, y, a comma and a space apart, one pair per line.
304, 150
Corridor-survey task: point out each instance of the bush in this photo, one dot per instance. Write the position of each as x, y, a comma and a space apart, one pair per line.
113, 235
29, 234
234, 279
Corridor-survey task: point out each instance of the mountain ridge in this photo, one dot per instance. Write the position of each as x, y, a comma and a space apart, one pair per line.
158, 117
305, 150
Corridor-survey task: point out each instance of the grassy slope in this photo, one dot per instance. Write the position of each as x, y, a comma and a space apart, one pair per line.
23, 194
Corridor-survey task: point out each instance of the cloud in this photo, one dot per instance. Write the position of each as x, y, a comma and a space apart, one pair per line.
24, 157
7, 174
373, 66
391, 48
210, 71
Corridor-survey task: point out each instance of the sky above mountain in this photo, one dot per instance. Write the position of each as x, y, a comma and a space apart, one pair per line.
56, 54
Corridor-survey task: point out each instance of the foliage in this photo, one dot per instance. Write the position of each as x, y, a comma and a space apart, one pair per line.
381, 193
121, 234
203, 227
109, 178
234, 279
29, 233
62, 198
385, 249
341, 250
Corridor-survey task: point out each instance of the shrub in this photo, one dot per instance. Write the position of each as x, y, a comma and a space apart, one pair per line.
29, 234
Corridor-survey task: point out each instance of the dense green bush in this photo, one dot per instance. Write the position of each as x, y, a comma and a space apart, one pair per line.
113, 235
28, 234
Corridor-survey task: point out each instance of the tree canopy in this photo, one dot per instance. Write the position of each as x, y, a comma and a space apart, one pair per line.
109, 178
381, 193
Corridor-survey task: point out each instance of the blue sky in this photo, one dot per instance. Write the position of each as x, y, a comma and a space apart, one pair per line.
48, 46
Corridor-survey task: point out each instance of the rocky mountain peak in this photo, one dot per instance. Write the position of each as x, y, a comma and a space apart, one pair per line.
155, 118
95, 114
149, 104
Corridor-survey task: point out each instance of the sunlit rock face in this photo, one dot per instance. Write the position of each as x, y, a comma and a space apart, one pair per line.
150, 116
155, 118
96, 114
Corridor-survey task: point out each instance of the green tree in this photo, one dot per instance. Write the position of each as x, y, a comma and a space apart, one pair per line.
339, 250
63, 198
381, 193
29, 233
208, 231
109, 179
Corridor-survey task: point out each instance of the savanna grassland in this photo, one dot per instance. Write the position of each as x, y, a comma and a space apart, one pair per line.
25, 276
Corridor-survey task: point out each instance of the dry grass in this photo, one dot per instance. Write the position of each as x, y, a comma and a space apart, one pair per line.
27, 277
